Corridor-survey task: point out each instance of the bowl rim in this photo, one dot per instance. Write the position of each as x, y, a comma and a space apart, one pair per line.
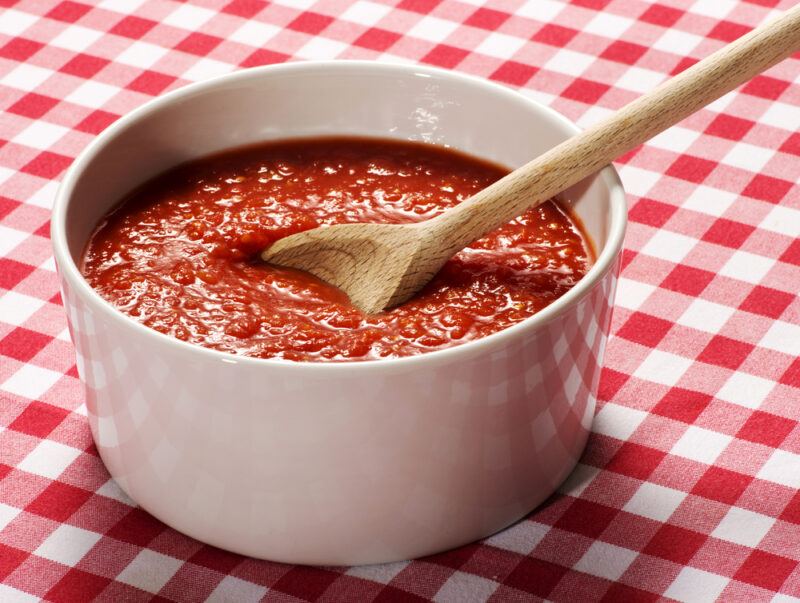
70, 272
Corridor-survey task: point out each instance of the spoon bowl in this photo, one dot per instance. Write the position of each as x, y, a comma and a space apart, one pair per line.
352, 256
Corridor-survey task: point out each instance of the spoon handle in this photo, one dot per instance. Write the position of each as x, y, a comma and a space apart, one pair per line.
637, 122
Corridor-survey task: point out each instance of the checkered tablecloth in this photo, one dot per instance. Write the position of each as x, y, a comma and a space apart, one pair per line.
689, 486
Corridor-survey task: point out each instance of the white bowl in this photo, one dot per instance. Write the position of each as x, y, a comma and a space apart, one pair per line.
338, 463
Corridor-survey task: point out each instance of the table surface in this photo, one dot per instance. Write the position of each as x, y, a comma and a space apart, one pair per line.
689, 486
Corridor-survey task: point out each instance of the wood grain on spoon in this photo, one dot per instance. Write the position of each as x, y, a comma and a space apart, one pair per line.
382, 265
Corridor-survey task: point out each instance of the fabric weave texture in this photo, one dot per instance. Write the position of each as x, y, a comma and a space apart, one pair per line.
688, 489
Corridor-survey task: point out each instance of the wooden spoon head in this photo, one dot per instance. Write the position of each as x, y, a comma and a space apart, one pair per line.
374, 264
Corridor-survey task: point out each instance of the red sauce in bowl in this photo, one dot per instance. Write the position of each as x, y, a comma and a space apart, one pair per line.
180, 254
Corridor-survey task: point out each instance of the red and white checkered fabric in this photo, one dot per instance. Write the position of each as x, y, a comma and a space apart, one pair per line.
689, 487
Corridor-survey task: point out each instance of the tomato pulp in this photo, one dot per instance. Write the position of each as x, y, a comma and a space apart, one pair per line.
180, 254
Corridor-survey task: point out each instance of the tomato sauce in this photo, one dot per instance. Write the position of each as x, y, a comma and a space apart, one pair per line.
180, 254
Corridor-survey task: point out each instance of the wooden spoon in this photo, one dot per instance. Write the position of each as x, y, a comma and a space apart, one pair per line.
382, 265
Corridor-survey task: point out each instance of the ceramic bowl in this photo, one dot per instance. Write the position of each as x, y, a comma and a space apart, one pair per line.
337, 463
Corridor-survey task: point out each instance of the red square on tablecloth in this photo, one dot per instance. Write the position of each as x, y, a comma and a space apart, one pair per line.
765, 570
675, 544
766, 428
767, 301
688, 280
659, 14
682, 404
721, 484
39, 419
77, 585
58, 501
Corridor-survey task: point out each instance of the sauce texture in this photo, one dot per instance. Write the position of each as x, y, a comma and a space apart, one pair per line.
180, 254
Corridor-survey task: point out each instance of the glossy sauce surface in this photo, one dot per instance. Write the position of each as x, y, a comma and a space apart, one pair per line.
180, 254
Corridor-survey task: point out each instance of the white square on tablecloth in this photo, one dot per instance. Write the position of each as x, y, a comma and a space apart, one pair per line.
593, 115
381, 572
500, 45
696, 586
705, 316
149, 571
67, 544
640, 80
432, 29
16, 308
719, 105
521, 538
783, 220
675, 139
461, 586
49, 459
24, 76
189, 17
636, 180
255, 33
121, 6
578, 480
14, 22
747, 267
388, 57
76, 38
539, 96
543, 11
670, 246
92, 94
745, 390
606, 560
618, 421
783, 337
40, 135
654, 501
7, 514
321, 49
707, 200
702, 445
569, 62
141, 54
781, 116
748, 157
677, 42
6, 173
206, 68
30, 381
45, 196
12, 595
298, 4
48, 264
743, 527
10, 238
235, 589
713, 8
608, 25
112, 489
365, 13
782, 467
662, 367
